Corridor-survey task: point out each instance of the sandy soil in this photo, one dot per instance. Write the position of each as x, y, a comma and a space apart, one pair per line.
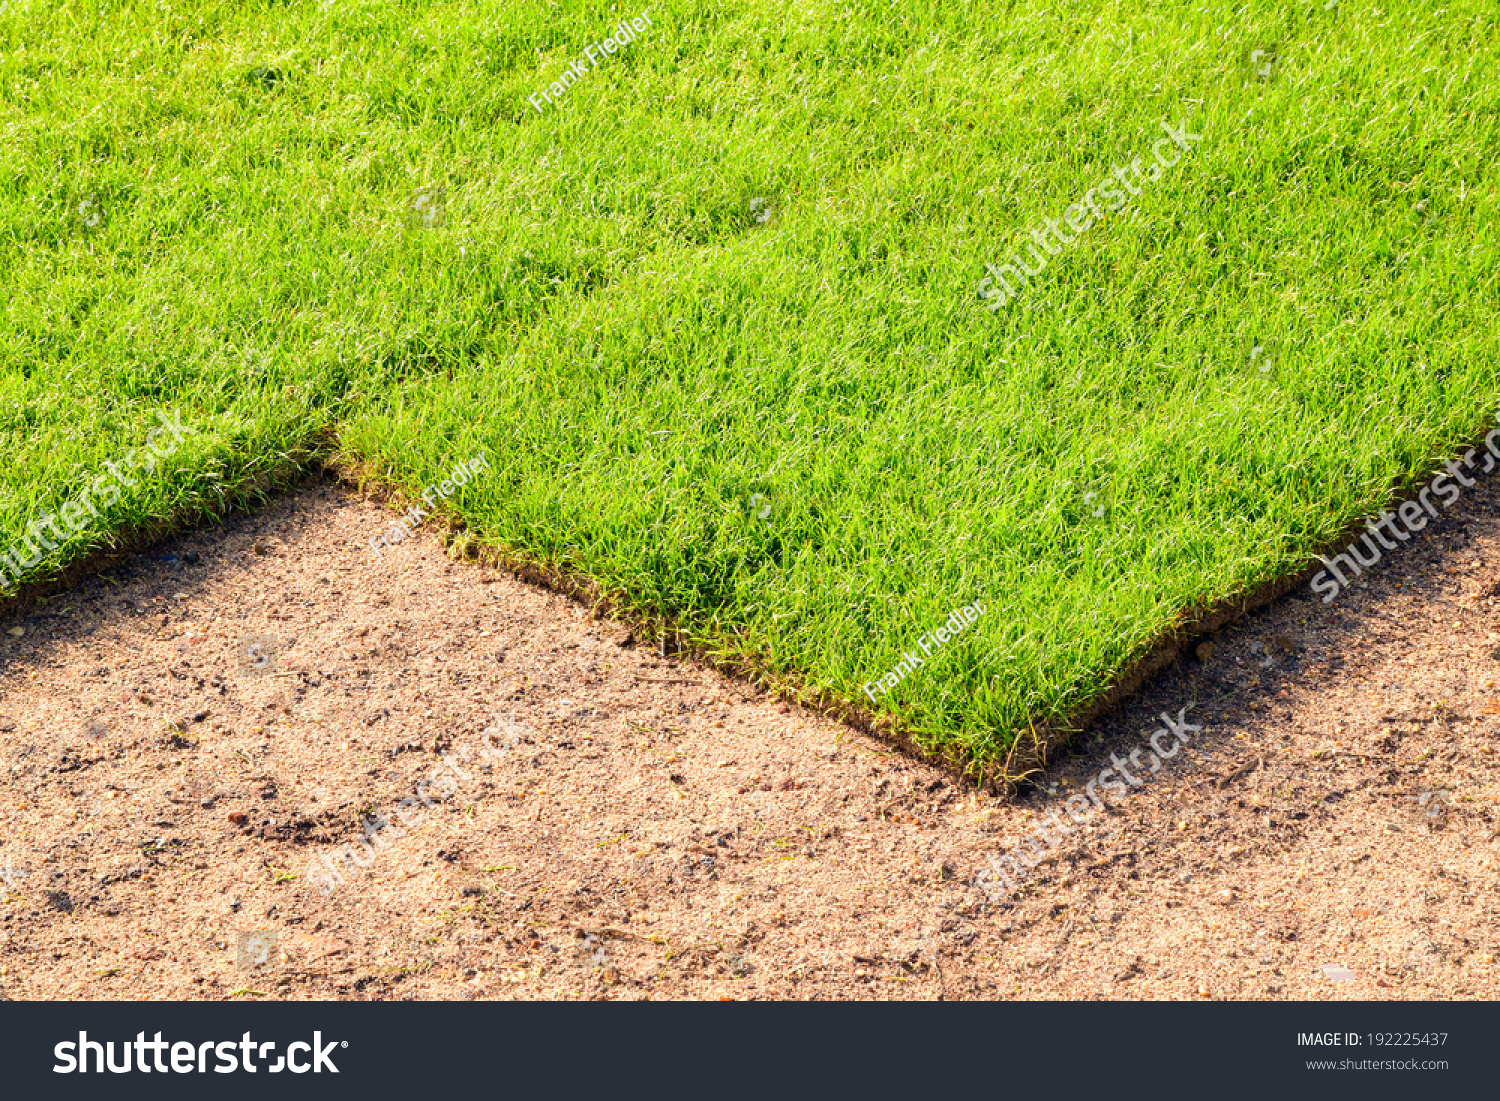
642, 827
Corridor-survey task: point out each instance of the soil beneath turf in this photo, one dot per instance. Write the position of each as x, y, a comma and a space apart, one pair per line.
643, 827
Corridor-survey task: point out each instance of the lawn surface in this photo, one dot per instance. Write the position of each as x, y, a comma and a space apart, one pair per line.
714, 314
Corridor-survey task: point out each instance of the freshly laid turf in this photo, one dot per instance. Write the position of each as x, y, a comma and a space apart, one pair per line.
714, 313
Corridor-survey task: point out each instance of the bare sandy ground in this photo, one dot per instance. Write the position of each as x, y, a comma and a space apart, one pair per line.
642, 827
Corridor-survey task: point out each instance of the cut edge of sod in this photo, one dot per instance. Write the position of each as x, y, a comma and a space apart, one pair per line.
1027, 756
243, 498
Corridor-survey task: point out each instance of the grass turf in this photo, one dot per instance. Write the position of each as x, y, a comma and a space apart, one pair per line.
714, 315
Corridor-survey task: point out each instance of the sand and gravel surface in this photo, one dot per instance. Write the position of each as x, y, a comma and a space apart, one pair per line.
560, 811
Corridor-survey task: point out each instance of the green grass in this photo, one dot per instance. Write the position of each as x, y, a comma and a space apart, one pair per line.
641, 355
